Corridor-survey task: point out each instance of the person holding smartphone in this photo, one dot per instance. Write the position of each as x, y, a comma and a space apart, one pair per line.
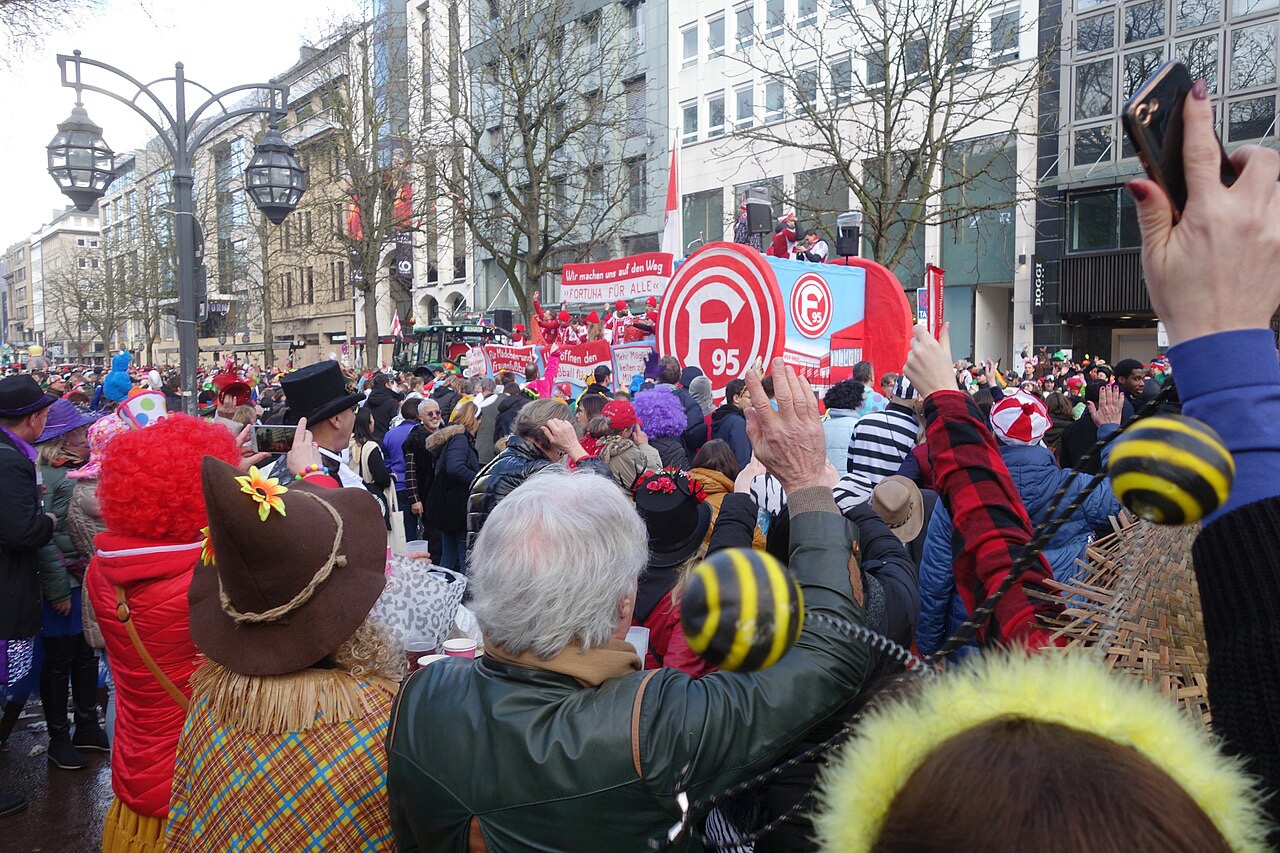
1212, 281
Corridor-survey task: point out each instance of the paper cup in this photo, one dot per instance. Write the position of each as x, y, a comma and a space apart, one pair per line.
426, 660
460, 648
417, 648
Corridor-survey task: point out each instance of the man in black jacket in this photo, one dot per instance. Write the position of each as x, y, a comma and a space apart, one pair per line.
384, 404
420, 469
24, 527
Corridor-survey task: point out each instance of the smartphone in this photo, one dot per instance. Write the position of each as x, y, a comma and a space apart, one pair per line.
1153, 119
272, 439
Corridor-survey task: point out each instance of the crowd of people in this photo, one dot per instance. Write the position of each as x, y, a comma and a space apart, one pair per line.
260, 695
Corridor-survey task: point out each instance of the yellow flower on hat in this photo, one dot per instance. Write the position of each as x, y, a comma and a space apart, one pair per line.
206, 547
265, 490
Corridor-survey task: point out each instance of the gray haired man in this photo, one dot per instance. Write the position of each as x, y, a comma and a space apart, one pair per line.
556, 739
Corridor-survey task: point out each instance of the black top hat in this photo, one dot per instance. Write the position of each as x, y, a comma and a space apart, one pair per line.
21, 395
674, 513
316, 392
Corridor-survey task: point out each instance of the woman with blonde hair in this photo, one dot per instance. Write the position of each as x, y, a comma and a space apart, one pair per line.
457, 463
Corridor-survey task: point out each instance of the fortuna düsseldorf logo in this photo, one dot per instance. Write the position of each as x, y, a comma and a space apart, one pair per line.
811, 307
723, 311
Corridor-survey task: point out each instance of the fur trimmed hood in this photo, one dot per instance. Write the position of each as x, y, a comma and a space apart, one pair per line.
437, 439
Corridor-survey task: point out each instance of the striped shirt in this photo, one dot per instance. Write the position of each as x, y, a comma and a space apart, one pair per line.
881, 440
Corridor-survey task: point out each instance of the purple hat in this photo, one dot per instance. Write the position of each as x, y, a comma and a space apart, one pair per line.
64, 417
22, 395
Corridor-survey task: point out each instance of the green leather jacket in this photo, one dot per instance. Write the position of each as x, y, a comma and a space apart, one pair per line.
499, 757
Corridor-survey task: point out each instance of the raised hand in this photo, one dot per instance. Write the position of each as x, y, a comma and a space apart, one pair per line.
929, 362
1215, 270
789, 442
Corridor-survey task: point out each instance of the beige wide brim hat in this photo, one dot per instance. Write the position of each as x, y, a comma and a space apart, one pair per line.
899, 503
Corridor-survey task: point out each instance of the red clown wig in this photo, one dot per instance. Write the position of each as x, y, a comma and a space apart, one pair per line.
150, 487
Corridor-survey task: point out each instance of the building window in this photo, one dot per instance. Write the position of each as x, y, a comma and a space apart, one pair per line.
80, 241
635, 23
773, 101
636, 182
806, 13
1004, 37
595, 187
1200, 55
1251, 119
637, 105
1091, 145
1240, 8
806, 89
1253, 57
689, 123
877, 66
744, 107
288, 289
1096, 33
82, 263
1102, 221
775, 18
715, 36
703, 216
1138, 67
1144, 21
1094, 90
689, 45
745, 26
311, 285
1189, 14
93, 242
715, 116
842, 82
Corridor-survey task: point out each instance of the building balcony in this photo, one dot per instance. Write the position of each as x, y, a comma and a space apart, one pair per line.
1103, 283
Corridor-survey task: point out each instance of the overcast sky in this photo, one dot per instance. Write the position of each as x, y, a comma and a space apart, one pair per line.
222, 43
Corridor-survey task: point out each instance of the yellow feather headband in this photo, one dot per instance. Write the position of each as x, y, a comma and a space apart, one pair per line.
1072, 690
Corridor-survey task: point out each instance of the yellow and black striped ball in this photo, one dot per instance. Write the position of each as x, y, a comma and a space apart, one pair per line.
1171, 469
741, 610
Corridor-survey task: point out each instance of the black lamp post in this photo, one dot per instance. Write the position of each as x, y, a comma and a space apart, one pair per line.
81, 163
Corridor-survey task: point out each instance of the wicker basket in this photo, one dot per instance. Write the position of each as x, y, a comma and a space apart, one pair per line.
1137, 603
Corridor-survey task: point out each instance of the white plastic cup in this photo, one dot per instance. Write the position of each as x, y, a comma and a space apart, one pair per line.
427, 660
460, 648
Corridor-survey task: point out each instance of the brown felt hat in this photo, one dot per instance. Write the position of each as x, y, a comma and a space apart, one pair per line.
284, 590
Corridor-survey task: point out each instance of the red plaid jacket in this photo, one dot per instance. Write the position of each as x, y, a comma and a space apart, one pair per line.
990, 524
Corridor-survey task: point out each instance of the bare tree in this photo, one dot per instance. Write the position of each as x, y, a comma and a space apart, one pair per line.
73, 296
539, 145
890, 97
144, 278
24, 22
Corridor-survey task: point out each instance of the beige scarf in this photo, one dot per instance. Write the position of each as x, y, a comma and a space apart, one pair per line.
591, 668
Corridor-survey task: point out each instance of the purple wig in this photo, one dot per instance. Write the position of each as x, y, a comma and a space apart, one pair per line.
660, 412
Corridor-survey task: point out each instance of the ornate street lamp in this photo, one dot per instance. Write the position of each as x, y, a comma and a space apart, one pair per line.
274, 179
81, 164
80, 161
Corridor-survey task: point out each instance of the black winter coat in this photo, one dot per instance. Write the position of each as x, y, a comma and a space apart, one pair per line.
24, 530
508, 408
385, 405
446, 398
729, 424
520, 461
672, 451
456, 465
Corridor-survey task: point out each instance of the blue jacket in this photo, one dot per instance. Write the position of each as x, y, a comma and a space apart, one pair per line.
393, 452
838, 426
1037, 477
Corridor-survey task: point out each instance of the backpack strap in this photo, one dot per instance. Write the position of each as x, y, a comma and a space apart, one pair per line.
126, 616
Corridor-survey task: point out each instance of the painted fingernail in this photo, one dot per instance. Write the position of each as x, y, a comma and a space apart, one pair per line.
1200, 90
1137, 190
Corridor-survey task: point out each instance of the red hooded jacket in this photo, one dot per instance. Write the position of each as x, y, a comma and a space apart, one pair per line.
154, 576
